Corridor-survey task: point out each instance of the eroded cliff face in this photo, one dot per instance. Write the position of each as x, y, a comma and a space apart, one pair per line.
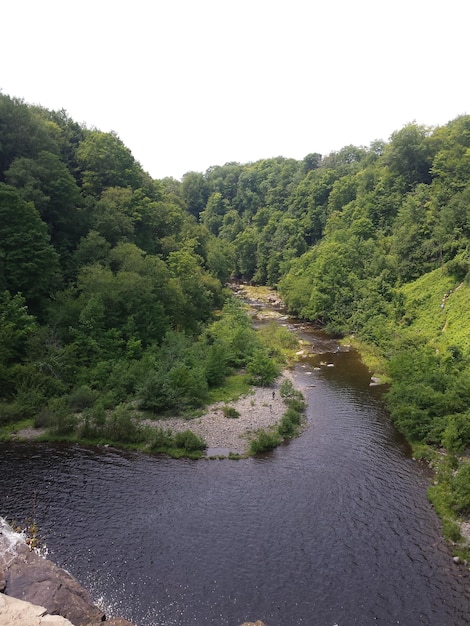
49, 589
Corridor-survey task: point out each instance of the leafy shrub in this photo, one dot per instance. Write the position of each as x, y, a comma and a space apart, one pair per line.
261, 369
61, 421
82, 398
286, 427
216, 364
161, 439
286, 389
230, 411
264, 441
121, 427
456, 436
297, 403
189, 441
461, 490
293, 415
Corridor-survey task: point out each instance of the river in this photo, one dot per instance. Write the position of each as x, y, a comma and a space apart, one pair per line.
332, 528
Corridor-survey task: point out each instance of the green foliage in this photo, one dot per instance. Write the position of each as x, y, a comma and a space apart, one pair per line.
121, 426
230, 411
189, 441
177, 445
106, 162
60, 420
29, 264
16, 327
264, 441
234, 386
286, 427
461, 490
161, 439
261, 369
82, 398
286, 390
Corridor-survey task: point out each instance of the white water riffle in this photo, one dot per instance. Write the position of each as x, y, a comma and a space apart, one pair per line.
9, 541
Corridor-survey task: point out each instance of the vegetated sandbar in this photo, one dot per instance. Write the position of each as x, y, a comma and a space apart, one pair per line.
262, 408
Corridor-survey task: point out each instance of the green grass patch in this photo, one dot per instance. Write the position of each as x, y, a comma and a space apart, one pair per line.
442, 326
234, 386
8, 430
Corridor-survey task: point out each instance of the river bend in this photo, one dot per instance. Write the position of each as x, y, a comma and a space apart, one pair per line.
333, 528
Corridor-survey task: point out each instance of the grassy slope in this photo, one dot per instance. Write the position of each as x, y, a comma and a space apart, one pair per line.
441, 327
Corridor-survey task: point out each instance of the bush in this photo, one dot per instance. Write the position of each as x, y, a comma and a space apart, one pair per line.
286, 389
286, 427
297, 404
261, 369
230, 411
189, 441
264, 441
461, 490
293, 415
456, 437
120, 427
162, 439
82, 398
61, 421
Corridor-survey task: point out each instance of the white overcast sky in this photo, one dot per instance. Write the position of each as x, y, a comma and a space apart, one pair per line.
188, 84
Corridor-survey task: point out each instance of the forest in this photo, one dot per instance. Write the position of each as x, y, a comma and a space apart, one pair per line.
113, 286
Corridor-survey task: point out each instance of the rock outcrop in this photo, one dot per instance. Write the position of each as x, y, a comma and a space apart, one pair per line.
49, 589
34, 579
14, 612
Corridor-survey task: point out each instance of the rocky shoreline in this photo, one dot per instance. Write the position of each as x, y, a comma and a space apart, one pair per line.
34, 591
260, 409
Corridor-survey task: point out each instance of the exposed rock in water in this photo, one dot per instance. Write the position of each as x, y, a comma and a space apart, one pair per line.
27, 576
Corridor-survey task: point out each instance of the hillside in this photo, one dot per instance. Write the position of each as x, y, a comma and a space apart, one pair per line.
437, 309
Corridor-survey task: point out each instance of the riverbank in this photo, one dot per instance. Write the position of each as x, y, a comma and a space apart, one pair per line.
261, 409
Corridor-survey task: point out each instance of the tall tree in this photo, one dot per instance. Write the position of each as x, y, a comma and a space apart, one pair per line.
106, 162
28, 262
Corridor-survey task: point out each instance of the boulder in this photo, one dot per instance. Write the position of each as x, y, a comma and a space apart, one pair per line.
14, 612
27, 576
34, 579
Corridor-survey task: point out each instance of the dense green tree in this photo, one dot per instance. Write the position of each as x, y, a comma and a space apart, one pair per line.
46, 181
23, 132
196, 192
28, 262
409, 156
212, 216
16, 327
106, 162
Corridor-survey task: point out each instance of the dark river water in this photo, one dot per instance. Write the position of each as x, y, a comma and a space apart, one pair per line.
333, 528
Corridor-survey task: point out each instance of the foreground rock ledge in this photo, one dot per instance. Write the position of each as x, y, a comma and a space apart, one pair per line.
18, 612
45, 589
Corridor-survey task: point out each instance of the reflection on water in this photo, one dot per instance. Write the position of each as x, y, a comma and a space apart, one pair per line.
333, 528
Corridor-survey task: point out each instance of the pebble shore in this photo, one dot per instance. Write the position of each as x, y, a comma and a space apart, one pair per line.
262, 408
